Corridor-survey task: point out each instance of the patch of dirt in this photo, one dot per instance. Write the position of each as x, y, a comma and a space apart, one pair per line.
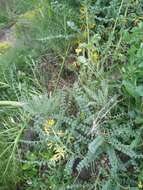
92, 170
7, 35
53, 76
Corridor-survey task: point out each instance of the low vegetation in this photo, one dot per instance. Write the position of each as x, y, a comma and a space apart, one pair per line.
71, 95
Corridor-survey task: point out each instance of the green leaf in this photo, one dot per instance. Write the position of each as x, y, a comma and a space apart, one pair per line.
113, 159
95, 144
130, 88
26, 166
139, 90
107, 185
135, 91
82, 60
139, 120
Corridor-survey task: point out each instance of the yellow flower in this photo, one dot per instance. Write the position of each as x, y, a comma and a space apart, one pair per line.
91, 26
78, 51
48, 124
60, 133
59, 154
4, 46
50, 144
82, 10
140, 185
51, 122
46, 129
94, 56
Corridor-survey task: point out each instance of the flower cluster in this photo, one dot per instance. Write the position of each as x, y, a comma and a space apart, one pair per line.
60, 153
48, 125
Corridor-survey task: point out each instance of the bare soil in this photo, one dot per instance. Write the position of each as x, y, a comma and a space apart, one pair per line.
7, 35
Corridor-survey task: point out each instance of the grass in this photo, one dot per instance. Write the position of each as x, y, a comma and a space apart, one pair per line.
71, 96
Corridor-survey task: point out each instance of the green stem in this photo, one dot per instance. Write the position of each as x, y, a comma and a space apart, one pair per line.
11, 103
87, 29
61, 69
13, 150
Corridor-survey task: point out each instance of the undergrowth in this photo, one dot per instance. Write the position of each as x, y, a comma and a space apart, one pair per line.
71, 96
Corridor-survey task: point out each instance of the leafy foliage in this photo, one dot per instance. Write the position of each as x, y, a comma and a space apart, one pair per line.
86, 135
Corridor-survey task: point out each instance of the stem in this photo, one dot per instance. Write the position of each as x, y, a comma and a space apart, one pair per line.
12, 103
13, 150
112, 34
87, 30
61, 69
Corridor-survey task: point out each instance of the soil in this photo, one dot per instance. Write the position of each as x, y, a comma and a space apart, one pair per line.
52, 76
85, 173
7, 35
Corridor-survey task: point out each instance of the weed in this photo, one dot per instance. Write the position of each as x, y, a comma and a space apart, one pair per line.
87, 135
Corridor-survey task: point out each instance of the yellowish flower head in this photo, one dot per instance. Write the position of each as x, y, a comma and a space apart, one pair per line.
50, 144
82, 10
94, 56
91, 26
48, 124
60, 153
140, 185
78, 51
51, 122
4, 46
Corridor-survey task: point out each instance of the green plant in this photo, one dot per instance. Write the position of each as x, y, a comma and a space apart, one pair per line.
88, 135
48, 30
10, 134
